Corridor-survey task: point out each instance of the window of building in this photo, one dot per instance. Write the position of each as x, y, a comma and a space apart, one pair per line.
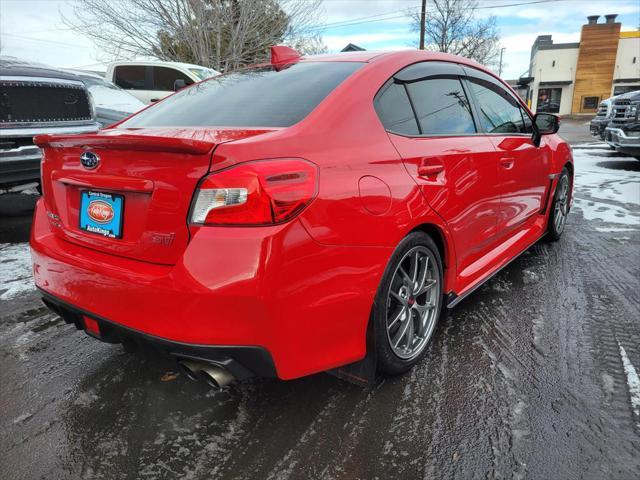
549, 100
590, 103
499, 112
130, 77
624, 89
442, 106
395, 111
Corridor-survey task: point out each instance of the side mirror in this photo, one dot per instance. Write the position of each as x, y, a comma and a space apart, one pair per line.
544, 124
179, 84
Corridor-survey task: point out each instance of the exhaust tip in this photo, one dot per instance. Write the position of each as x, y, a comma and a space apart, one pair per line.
213, 375
190, 369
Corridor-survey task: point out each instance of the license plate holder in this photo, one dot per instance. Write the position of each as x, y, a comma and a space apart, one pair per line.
101, 213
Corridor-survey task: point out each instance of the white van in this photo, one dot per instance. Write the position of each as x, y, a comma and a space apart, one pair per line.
152, 81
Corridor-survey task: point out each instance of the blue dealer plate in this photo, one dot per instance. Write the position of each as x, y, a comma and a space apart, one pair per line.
101, 213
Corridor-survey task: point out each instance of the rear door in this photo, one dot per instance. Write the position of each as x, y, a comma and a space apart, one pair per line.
133, 79
455, 166
523, 167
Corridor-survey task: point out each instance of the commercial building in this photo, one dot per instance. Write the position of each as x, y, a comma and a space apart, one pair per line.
572, 78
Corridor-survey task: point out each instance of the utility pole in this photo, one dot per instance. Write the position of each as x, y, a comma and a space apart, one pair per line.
500, 68
422, 23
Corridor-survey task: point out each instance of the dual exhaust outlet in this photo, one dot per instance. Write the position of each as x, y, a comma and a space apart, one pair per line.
214, 375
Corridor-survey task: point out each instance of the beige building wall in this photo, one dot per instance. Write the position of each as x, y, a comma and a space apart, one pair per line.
627, 60
544, 70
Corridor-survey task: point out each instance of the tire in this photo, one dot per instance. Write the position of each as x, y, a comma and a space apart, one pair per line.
408, 301
559, 207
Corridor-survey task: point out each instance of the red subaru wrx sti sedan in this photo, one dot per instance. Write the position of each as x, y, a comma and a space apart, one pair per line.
298, 216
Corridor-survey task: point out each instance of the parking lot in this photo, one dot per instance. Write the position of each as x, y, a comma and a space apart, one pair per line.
533, 376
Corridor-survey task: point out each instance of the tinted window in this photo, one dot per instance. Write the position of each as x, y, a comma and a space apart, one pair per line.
499, 112
441, 106
257, 97
164, 77
131, 77
394, 110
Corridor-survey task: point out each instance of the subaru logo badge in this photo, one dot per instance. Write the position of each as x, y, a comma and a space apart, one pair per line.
89, 160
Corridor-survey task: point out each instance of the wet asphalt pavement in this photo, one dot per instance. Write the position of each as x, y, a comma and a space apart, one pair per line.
530, 377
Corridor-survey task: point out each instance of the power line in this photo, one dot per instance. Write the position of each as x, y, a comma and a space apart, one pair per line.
394, 13
42, 40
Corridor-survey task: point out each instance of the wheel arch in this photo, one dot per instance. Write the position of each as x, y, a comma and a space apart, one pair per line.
445, 249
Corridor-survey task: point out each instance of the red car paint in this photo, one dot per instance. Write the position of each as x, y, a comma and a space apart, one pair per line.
301, 288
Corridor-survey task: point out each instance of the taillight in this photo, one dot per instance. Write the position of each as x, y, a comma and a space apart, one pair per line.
261, 192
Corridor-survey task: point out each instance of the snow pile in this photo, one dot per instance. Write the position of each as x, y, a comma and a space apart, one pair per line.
15, 270
607, 186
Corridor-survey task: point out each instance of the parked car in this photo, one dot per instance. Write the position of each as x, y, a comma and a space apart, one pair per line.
112, 103
35, 99
623, 132
298, 216
152, 81
602, 118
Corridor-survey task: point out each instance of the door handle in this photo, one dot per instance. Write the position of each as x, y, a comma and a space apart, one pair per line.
154, 100
429, 166
507, 162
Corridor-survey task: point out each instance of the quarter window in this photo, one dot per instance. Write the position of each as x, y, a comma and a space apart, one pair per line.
395, 111
499, 112
441, 106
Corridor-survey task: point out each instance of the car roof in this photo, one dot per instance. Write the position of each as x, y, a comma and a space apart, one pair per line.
15, 67
371, 55
160, 63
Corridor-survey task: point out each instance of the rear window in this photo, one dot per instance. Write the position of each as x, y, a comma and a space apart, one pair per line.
257, 97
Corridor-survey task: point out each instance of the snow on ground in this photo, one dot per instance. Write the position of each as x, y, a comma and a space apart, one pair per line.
633, 381
15, 270
607, 187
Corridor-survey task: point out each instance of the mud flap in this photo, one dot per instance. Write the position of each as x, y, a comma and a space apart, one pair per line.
363, 372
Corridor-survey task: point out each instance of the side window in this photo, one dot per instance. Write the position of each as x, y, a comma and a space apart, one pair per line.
442, 106
499, 112
395, 111
130, 77
164, 77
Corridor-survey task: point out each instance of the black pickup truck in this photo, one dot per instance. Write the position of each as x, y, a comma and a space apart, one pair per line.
623, 131
35, 99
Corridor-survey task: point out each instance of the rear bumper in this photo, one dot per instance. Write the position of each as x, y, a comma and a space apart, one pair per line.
273, 288
241, 361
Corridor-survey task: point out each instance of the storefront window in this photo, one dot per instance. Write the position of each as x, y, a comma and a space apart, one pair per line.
549, 100
590, 103
624, 89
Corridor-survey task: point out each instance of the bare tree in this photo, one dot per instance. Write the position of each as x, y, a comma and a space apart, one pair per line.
453, 26
222, 34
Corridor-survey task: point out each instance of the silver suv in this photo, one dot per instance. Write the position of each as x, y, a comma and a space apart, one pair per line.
35, 99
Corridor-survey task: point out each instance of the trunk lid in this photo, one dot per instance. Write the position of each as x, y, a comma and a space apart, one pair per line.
153, 171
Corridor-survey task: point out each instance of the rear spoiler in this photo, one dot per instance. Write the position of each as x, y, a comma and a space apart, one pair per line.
144, 143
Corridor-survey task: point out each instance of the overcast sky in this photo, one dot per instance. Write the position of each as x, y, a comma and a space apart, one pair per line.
33, 29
